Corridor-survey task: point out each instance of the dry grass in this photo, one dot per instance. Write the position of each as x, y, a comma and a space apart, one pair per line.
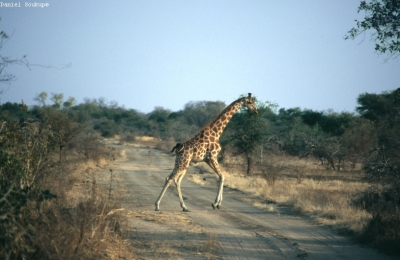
84, 222
306, 187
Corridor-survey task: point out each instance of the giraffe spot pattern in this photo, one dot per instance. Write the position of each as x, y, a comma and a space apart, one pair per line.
205, 146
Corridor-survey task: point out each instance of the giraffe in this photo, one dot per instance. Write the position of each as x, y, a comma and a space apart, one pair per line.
204, 147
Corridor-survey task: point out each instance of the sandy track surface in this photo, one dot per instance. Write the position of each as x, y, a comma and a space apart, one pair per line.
237, 231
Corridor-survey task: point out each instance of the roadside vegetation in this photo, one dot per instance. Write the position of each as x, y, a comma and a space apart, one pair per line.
341, 168
51, 206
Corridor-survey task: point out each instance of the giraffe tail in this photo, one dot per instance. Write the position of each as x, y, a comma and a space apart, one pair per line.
177, 148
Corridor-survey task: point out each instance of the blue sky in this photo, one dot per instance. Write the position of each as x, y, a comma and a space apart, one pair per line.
144, 54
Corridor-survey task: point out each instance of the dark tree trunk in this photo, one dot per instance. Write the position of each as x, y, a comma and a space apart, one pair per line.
249, 164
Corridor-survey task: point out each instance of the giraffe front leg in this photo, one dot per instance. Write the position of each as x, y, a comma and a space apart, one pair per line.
168, 182
213, 163
218, 199
178, 187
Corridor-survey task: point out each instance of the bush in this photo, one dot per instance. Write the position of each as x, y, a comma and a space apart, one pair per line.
35, 223
383, 231
272, 167
107, 128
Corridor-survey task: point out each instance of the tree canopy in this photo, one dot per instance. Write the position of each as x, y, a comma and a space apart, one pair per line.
383, 17
377, 106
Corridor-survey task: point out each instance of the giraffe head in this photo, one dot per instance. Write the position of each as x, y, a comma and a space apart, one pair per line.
249, 103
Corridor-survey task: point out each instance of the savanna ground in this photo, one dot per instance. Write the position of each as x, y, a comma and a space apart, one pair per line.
295, 210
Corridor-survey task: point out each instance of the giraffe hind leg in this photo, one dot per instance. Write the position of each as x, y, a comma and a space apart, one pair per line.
207, 160
168, 182
177, 178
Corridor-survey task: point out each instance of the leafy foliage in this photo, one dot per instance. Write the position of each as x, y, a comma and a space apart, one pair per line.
382, 164
383, 161
248, 132
382, 16
378, 106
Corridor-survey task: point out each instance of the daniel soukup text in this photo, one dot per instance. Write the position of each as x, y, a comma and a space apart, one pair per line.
25, 4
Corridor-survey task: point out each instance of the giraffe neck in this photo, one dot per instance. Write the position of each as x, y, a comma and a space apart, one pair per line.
218, 124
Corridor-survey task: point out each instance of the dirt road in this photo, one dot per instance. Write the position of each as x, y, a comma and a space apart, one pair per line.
237, 231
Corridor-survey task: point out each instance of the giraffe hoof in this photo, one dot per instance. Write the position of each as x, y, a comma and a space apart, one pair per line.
215, 206
185, 210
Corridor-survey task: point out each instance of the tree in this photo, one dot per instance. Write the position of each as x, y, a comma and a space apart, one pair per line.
377, 106
249, 131
69, 103
383, 161
106, 127
334, 123
4, 77
57, 99
382, 165
311, 117
6, 61
159, 114
64, 130
358, 139
383, 17
41, 98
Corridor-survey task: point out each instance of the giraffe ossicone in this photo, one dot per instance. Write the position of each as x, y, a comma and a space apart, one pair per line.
204, 147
